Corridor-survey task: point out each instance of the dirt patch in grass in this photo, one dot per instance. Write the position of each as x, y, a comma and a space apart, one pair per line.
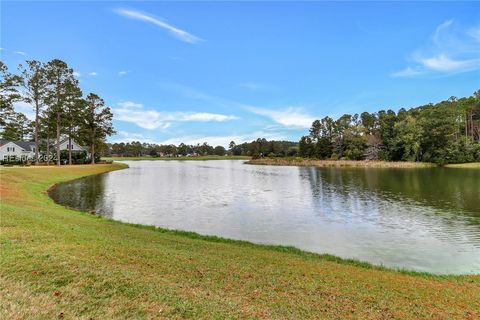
8, 193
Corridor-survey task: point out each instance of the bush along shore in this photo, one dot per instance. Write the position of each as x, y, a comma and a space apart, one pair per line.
58, 262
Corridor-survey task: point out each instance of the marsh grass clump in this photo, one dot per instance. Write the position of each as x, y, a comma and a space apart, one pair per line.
297, 161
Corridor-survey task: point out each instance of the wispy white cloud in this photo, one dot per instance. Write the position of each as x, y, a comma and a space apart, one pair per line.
147, 119
25, 108
256, 86
122, 73
289, 117
146, 17
21, 53
474, 33
200, 116
132, 112
408, 72
451, 50
193, 93
442, 63
438, 31
224, 140
293, 117
130, 104
76, 74
125, 136
93, 74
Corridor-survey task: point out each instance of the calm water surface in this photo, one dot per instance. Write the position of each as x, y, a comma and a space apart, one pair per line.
421, 219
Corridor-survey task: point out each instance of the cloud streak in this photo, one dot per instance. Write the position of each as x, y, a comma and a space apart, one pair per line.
293, 117
132, 112
224, 140
257, 87
25, 108
290, 117
125, 136
451, 50
146, 17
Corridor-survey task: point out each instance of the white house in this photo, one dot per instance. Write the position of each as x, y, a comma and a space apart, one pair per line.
25, 150
16, 150
74, 146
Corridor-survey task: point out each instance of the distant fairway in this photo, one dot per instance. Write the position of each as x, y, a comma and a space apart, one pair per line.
176, 158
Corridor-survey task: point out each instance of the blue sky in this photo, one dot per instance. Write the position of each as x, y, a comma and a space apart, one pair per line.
215, 72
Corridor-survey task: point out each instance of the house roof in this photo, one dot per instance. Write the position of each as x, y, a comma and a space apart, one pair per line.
27, 145
73, 141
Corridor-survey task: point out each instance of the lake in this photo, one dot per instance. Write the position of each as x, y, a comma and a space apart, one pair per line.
425, 219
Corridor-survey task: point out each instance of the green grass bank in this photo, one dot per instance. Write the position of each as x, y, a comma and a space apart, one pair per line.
56, 262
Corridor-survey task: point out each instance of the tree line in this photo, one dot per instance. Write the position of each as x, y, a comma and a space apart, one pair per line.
445, 132
139, 149
263, 147
61, 109
254, 148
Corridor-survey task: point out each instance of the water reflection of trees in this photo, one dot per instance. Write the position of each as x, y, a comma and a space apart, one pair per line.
445, 201
441, 188
85, 194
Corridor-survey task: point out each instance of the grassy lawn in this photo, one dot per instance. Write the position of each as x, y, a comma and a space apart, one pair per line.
56, 262
178, 158
296, 161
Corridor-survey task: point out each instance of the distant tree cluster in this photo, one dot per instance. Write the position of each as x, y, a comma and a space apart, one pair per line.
446, 132
138, 149
60, 108
256, 147
264, 147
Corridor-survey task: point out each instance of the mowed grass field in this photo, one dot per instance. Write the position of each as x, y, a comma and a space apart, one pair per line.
60, 263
